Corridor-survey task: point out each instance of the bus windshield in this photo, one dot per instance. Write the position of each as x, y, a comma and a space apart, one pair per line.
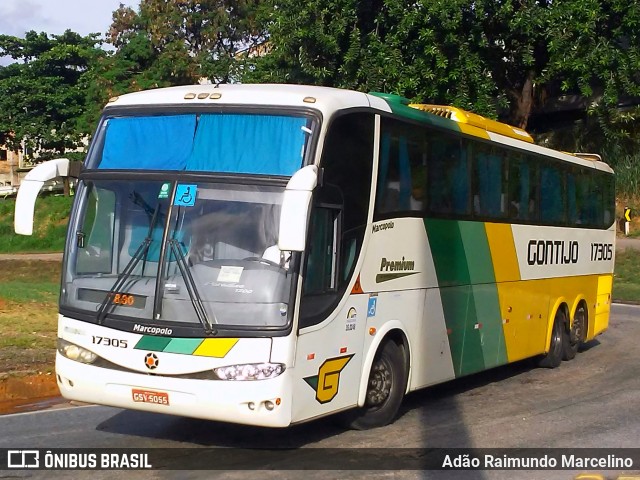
197, 253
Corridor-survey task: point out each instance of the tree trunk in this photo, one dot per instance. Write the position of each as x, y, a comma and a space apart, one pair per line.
524, 103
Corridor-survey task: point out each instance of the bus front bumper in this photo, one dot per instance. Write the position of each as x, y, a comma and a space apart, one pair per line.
258, 402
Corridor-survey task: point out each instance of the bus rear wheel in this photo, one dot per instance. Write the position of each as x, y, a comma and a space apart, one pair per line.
576, 335
559, 337
385, 389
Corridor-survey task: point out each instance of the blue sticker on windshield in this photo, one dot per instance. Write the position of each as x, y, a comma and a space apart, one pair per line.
186, 195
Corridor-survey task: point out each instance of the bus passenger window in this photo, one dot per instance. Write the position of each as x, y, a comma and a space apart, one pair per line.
552, 194
402, 168
522, 188
448, 177
488, 185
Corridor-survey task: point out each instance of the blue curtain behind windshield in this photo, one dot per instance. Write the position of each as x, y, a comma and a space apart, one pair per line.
259, 144
228, 143
153, 143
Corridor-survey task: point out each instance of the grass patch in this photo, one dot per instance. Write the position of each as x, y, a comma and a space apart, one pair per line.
626, 284
50, 226
28, 315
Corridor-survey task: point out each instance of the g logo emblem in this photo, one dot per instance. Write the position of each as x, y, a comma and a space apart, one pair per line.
327, 382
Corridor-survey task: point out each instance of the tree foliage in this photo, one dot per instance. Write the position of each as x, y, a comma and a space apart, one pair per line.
502, 58
495, 57
179, 42
41, 98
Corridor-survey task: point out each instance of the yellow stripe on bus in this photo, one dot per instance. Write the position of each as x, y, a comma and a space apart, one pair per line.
528, 308
503, 252
215, 347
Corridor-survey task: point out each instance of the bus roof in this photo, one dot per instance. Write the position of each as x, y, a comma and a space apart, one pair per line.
328, 100
325, 99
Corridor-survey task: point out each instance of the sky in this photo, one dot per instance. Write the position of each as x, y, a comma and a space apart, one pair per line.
56, 16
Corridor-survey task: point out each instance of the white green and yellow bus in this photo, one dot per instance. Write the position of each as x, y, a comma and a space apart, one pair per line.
271, 254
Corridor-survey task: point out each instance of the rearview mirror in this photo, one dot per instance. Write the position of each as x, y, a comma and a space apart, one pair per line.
292, 235
30, 186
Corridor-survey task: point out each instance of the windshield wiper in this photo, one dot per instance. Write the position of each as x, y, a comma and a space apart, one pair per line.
122, 278
192, 290
140, 253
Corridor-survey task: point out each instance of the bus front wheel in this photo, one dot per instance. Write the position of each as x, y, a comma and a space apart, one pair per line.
385, 389
559, 337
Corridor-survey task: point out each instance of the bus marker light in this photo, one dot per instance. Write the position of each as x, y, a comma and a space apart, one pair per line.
251, 405
477, 326
309, 100
311, 356
357, 288
269, 405
215, 96
449, 331
203, 95
190, 96
372, 331
278, 401
343, 350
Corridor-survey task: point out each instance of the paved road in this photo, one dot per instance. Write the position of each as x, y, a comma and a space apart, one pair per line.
624, 243
592, 401
50, 257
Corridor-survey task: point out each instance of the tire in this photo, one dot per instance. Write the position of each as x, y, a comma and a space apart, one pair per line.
576, 335
553, 358
385, 390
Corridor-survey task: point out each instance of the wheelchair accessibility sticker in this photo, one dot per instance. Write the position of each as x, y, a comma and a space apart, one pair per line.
371, 309
185, 195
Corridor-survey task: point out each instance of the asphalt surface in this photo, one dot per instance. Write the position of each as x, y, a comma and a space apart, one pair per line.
592, 401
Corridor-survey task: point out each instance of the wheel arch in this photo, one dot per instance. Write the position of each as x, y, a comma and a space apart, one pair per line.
393, 331
581, 300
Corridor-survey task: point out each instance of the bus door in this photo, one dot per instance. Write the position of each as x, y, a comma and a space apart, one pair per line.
331, 330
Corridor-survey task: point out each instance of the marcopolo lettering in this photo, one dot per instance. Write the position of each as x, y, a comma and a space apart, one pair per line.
382, 226
552, 252
152, 330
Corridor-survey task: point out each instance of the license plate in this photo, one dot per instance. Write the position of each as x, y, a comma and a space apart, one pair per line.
150, 396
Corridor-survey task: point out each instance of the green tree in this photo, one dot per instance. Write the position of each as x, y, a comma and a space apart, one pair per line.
41, 97
495, 57
178, 42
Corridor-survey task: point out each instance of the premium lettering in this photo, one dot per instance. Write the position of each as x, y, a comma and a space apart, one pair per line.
396, 265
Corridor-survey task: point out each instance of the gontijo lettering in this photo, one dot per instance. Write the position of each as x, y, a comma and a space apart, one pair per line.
552, 252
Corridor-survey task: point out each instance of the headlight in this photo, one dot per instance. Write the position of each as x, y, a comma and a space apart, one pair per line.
74, 352
249, 371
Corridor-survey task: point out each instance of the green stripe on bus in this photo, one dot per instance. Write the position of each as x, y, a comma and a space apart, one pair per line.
448, 252
487, 306
478, 254
155, 344
464, 339
183, 345
469, 295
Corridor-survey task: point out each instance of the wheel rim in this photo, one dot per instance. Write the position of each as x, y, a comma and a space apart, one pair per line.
380, 382
577, 330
